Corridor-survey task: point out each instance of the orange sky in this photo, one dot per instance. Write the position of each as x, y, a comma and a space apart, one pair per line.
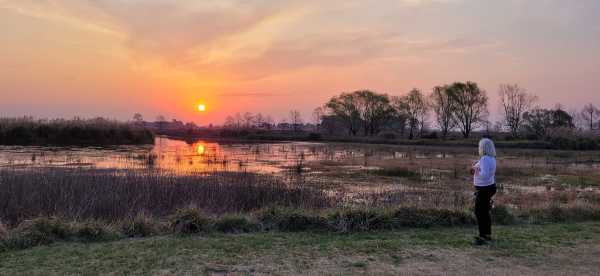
114, 58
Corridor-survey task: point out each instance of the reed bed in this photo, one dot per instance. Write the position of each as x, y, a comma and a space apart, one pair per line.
118, 194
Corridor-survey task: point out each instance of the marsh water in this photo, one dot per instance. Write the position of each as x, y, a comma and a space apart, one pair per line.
205, 156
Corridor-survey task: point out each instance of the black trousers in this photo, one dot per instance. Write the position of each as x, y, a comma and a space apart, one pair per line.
483, 205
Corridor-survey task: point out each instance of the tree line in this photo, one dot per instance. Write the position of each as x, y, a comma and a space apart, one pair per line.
458, 107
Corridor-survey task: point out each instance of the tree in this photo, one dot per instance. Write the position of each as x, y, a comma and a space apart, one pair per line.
344, 107
161, 121
590, 113
471, 106
515, 101
444, 108
317, 116
295, 120
248, 120
374, 110
541, 122
138, 118
414, 106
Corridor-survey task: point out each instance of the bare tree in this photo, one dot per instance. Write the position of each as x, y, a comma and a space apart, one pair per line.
295, 119
444, 109
414, 106
248, 120
317, 116
590, 114
515, 102
138, 118
471, 106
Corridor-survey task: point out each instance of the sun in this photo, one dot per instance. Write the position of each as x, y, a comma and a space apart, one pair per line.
201, 107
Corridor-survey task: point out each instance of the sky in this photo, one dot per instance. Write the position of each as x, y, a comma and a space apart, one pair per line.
113, 58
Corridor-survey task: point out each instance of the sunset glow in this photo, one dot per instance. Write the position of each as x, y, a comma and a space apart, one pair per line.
94, 58
201, 107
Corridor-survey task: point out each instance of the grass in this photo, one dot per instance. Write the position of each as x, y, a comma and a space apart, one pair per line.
114, 195
277, 252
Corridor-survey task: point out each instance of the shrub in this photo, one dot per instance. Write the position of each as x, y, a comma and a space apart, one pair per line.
313, 136
39, 231
142, 225
94, 231
189, 221
235, 224
413, 217
3, 231
358, 220
290, 220
503, 215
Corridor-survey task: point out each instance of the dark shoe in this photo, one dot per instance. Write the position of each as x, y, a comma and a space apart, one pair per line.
480, 241
487, 238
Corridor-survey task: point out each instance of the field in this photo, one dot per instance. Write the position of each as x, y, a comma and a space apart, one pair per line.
218, 208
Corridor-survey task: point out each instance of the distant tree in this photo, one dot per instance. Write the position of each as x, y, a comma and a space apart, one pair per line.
345, 108
259, 120
374, 110
515, 101
590, 114
471, 106
444, 108
161, 121
541, 122
138, 118
229, 122
248, 120
317, 116
295, 120
414, 106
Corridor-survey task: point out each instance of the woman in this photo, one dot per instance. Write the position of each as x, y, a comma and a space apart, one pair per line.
484, 179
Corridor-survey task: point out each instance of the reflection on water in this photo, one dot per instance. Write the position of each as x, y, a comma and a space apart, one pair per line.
202, 156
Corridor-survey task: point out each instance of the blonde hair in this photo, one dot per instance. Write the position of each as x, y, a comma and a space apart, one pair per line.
486, 147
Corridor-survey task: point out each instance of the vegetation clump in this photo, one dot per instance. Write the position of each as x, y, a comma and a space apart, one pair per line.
291, 220
142, 225
190, 220
98, 131
235, 224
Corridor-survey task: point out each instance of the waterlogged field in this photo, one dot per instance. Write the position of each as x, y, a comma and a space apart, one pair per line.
116, 182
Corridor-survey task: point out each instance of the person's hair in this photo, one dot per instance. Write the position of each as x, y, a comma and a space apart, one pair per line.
486, 147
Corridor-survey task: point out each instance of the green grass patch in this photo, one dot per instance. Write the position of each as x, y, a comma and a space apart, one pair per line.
227, 253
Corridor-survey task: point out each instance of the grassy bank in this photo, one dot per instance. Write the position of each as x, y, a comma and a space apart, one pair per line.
524, 249
81, 132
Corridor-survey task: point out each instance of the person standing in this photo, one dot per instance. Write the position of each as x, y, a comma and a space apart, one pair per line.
484, 180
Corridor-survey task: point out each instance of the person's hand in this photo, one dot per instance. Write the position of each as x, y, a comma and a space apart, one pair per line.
472, 171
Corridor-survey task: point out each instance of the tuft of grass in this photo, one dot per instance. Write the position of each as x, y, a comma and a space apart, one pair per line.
556, 214
579, 181
291, 220
235, 224
3, 231
503, 215
359, 220
40, 231
190, 220
94, 231
142, 225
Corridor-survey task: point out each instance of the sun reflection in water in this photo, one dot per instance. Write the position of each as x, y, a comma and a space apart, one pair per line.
200, 149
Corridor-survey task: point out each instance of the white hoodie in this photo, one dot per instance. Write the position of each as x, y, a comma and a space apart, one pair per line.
485, 171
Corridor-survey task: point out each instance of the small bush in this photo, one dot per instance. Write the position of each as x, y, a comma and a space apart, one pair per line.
503, 215
413, 217
235, 224
93, 231
3, 231
39, 231
360, 220
141, 225
291, 220
189, 221
313, 136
